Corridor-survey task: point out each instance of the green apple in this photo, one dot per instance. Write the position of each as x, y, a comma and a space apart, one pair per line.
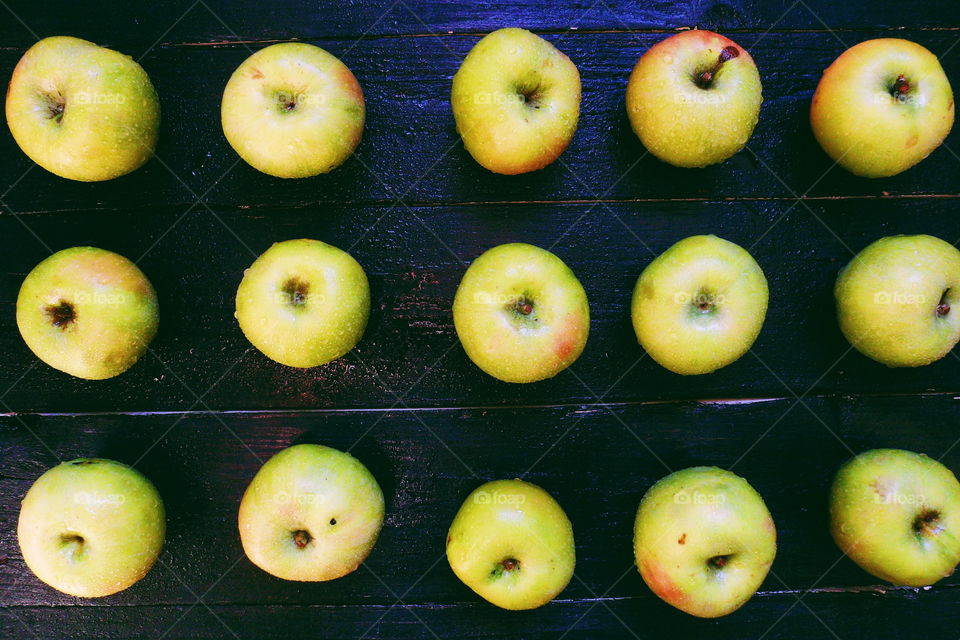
512, 544
897, 300
704, 541
897, 514
311, 513
699, 305
881, 107
694, 98
521, 314
303, 303
293, 110
88, 312
81, 111
91, 527
516, 101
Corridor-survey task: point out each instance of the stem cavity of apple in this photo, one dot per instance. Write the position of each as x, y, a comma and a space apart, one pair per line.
296, 291
505, 566
901, 87
61, 314
56, 104
704, 79
530, 96
301, 538
719, 562
927, 523
287, 101
72, 544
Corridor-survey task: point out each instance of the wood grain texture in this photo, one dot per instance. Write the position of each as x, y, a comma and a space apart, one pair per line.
200, 413
141, 25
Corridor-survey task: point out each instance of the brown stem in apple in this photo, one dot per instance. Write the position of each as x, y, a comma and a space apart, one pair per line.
509, 564
705, 78
901, 87
943, 307
56, 104
719, 562
301, 538
61, 314
524, 307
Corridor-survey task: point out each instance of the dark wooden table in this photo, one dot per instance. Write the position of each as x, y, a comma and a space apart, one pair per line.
201, 412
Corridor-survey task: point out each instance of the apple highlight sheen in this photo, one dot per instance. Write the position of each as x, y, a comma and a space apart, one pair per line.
516, 101
699, 305
704, 541
87, 312
311, 513
512, 544
694, 98
897, 514
521, 314
881, 107
81, 111
897, 300
293, 110
91, 527
303, 303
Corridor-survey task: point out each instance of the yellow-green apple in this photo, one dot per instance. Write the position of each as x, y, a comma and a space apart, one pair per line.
82, 111
88, 312
699, 305
521, 314
516, 101
897, 300
303, 303
897, 514
881, 107
311, 513
91, 527
694, 98
704, 541
293, 110
512, 544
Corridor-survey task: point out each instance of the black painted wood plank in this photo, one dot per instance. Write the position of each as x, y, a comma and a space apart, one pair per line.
891, 616
411, 151
597, 461
413, 257
141, 24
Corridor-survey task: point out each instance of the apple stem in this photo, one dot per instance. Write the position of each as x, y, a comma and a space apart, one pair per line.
301, 538
61, 314
524, 307
718, 562
705, 79
901, 87
509, 564
943, 307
